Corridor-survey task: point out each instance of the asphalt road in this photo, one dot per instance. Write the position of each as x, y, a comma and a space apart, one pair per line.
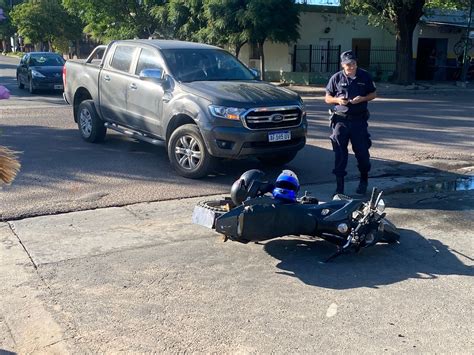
62, 173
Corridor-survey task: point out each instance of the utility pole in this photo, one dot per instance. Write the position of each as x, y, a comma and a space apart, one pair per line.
465, 61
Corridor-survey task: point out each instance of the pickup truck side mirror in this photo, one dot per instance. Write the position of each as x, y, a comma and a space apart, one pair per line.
155, 75
256, 73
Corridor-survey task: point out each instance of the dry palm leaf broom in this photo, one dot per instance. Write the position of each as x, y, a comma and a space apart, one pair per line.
9, 165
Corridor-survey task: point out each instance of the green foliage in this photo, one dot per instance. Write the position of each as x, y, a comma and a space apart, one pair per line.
46, 20
181, 19
224, 25
448, 4
229, 22
116, 19
277, 20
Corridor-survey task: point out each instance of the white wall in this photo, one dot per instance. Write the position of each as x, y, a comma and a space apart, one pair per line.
277, 57
342, 29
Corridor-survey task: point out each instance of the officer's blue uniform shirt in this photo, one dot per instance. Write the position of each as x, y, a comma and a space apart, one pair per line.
340, 85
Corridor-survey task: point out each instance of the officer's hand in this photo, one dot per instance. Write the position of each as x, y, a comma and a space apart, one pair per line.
342, 101
357, 100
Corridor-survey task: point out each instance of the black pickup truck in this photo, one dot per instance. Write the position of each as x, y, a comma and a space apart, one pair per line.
199, 99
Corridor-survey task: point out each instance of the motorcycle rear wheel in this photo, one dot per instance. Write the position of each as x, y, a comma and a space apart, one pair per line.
221, 206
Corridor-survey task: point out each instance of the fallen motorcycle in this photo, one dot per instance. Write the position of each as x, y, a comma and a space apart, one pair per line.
258, 211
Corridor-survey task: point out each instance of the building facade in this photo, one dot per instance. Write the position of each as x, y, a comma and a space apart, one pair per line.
326, 31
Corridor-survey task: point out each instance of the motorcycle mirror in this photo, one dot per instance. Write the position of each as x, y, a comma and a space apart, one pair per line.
381, 206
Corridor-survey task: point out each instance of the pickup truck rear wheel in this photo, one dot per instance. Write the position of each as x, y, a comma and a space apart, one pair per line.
188, 154
277, 159
91, 127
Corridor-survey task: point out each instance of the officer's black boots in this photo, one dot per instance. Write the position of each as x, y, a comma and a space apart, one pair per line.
363, 184
339, 185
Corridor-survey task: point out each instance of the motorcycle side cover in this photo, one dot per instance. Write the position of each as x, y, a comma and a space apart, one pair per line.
264, 218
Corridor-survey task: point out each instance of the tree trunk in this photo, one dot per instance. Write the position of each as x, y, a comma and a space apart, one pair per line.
77, 49
238, 47
404, 68
262, 59
407, 17
5, 45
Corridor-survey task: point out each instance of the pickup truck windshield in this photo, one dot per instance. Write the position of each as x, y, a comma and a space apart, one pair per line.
46, 60
205, 65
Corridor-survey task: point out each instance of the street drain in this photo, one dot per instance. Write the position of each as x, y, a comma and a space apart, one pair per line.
460, 184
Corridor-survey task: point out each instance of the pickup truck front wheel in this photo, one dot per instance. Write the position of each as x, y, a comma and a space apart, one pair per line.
188, 154
91, 127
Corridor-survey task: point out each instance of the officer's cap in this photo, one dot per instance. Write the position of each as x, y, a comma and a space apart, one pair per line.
348, 57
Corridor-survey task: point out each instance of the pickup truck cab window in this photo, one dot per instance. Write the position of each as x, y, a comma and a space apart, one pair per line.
148, 59
122, 59
189, 65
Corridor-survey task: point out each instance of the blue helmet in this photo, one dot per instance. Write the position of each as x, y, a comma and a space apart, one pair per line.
286, 186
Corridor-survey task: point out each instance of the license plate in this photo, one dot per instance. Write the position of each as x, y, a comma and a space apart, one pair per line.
279, 136
58, 87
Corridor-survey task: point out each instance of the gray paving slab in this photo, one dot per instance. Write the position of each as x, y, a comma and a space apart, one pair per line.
26, 327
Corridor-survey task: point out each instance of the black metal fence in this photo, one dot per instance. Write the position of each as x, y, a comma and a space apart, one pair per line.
379, 59
325, 59
311, 58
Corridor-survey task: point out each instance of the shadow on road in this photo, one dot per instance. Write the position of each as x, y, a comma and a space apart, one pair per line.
414, 258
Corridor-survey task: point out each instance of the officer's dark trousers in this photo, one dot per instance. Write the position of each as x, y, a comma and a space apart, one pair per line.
355, 131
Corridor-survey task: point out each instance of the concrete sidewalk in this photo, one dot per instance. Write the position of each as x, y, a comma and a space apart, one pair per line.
143, 278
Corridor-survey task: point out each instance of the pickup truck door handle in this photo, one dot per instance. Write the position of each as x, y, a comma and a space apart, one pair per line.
106, 78
133, 86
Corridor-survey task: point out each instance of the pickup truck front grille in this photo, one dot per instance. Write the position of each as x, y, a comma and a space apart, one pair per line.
273, 117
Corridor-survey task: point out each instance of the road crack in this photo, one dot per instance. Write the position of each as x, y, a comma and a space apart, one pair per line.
13, 229
9, 330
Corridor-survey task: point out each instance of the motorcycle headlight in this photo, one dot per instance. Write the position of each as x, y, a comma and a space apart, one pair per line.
231, 113
37, 74
381, 206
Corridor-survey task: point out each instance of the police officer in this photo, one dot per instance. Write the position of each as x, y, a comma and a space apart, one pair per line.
349, 90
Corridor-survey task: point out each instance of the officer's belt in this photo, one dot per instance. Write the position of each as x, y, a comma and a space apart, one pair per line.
351, 116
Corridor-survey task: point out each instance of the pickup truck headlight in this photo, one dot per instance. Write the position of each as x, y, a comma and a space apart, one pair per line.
231, 113
302, 106
37, 74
